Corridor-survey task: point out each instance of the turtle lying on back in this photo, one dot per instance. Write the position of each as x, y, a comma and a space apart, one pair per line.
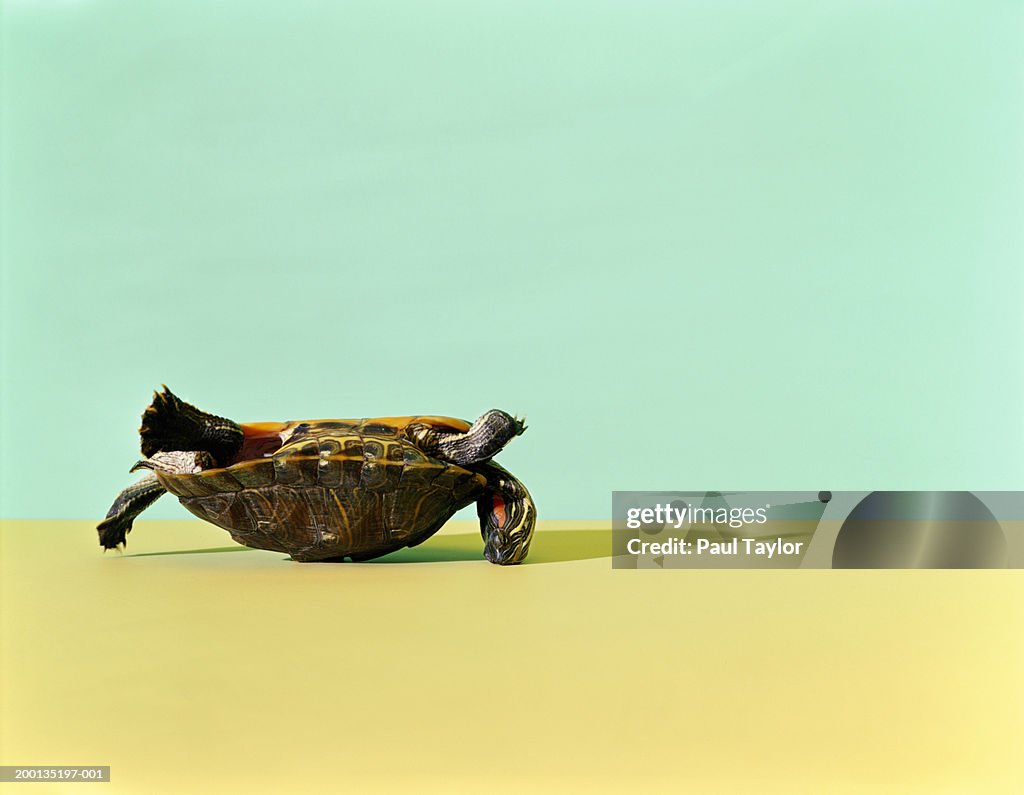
329, 489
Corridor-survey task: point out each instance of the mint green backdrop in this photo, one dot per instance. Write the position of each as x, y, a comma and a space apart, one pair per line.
699, 245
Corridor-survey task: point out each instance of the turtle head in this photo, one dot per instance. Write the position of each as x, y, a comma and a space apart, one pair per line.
507, 517
508, 547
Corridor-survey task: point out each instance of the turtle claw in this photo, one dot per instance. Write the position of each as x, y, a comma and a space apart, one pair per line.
112, 532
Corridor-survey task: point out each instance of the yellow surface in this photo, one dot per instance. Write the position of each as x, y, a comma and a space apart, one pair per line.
190, 665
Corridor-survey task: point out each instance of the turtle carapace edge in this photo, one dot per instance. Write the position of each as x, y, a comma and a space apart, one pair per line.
329, 490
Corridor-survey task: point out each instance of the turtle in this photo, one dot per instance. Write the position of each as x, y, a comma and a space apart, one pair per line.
329, 490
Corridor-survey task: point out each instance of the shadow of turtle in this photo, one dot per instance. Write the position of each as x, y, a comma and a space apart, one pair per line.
204, 551
549, 546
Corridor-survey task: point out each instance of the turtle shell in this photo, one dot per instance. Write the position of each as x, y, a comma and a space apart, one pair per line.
331, 489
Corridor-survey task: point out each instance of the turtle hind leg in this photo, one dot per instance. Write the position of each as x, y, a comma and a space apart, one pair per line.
484, 439
172, 424
507, 517
129, 504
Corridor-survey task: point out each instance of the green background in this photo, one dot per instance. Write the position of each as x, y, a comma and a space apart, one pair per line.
763, 245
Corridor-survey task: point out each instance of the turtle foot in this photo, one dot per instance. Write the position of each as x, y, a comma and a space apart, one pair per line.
113, 532
171, 424
484, 439
129, 504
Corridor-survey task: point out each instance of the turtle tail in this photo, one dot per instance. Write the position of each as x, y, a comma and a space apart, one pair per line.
172, 424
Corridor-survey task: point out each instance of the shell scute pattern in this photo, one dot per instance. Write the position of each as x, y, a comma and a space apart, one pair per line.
363, 489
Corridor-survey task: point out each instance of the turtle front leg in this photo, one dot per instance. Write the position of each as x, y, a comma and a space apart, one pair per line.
507, 517
145, 491
129, 504
484, 439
